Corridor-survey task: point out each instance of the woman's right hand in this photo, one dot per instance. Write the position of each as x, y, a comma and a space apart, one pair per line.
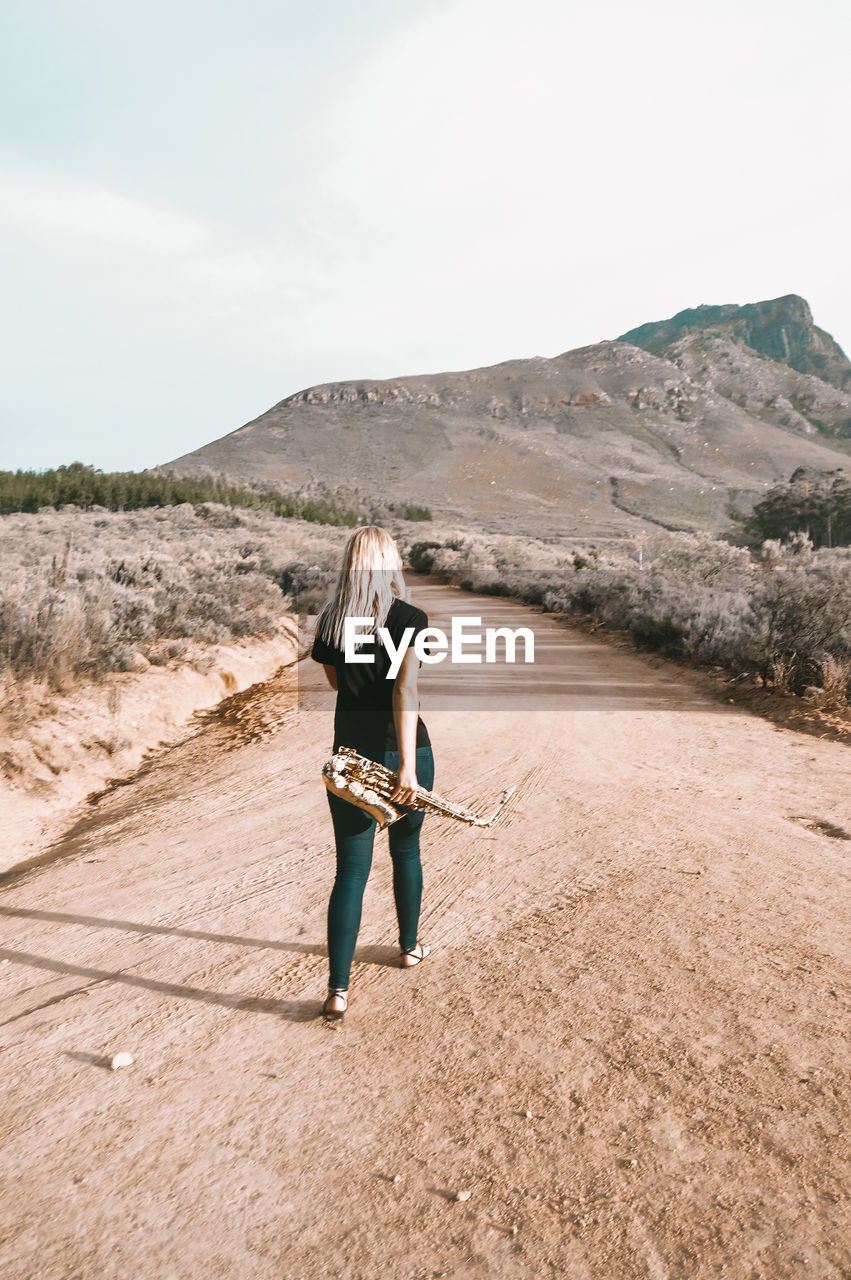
406, 785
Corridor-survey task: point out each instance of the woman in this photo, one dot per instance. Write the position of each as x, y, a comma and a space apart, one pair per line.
379, 718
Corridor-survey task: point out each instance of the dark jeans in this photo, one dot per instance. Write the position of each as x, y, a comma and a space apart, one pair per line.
354, 833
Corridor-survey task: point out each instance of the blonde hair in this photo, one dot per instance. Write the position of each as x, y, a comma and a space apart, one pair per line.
370, 580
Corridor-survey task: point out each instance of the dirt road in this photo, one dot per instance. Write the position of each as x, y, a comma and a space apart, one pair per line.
626, 1046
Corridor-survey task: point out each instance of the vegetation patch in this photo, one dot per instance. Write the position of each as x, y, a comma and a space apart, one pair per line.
87, 487
814, 503
85, 593
779, 616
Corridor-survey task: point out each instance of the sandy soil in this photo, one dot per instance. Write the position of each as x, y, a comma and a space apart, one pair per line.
627, 1045
57, 749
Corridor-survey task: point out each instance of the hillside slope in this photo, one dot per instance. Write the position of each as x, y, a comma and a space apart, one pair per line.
595, 442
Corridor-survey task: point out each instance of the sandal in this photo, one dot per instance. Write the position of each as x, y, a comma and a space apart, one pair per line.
414, 955
335, 1016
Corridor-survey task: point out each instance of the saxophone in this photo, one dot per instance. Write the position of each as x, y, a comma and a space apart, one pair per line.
369, 785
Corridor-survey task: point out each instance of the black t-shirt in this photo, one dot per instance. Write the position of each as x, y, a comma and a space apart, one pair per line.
364, 714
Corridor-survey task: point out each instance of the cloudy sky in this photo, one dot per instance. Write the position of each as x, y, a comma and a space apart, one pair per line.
206, 205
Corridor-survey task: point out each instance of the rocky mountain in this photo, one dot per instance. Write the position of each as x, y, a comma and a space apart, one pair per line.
781, 330
681, 423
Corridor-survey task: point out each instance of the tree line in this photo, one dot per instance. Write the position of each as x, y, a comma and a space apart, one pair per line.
86, 487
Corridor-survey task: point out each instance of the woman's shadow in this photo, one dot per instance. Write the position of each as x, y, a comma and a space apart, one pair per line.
289, 1010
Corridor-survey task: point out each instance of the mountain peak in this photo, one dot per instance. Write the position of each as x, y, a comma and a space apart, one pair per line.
779, 329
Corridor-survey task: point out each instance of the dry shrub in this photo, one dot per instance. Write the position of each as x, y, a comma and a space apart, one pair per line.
692, 598
86, 593
307, 587
835, 683
781, 670
803, 611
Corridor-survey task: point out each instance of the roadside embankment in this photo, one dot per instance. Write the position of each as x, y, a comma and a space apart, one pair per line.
56, 749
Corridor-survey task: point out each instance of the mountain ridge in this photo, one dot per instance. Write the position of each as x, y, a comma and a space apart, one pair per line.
781, 329
599, 441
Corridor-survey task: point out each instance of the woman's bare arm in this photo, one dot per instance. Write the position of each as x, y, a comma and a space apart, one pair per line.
406, 706
330, 674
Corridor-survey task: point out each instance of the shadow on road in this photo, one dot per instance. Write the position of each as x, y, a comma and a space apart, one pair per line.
386, 957
289, 1010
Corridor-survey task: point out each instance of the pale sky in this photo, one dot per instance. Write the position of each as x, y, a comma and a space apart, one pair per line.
206, 205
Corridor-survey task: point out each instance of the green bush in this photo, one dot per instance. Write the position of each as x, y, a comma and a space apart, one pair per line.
814, 503
87, 488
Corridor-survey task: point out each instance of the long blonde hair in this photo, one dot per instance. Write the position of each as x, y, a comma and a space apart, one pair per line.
370, 580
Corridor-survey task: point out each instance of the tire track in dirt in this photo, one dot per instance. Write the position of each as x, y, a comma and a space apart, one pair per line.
636, 929
162, 791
